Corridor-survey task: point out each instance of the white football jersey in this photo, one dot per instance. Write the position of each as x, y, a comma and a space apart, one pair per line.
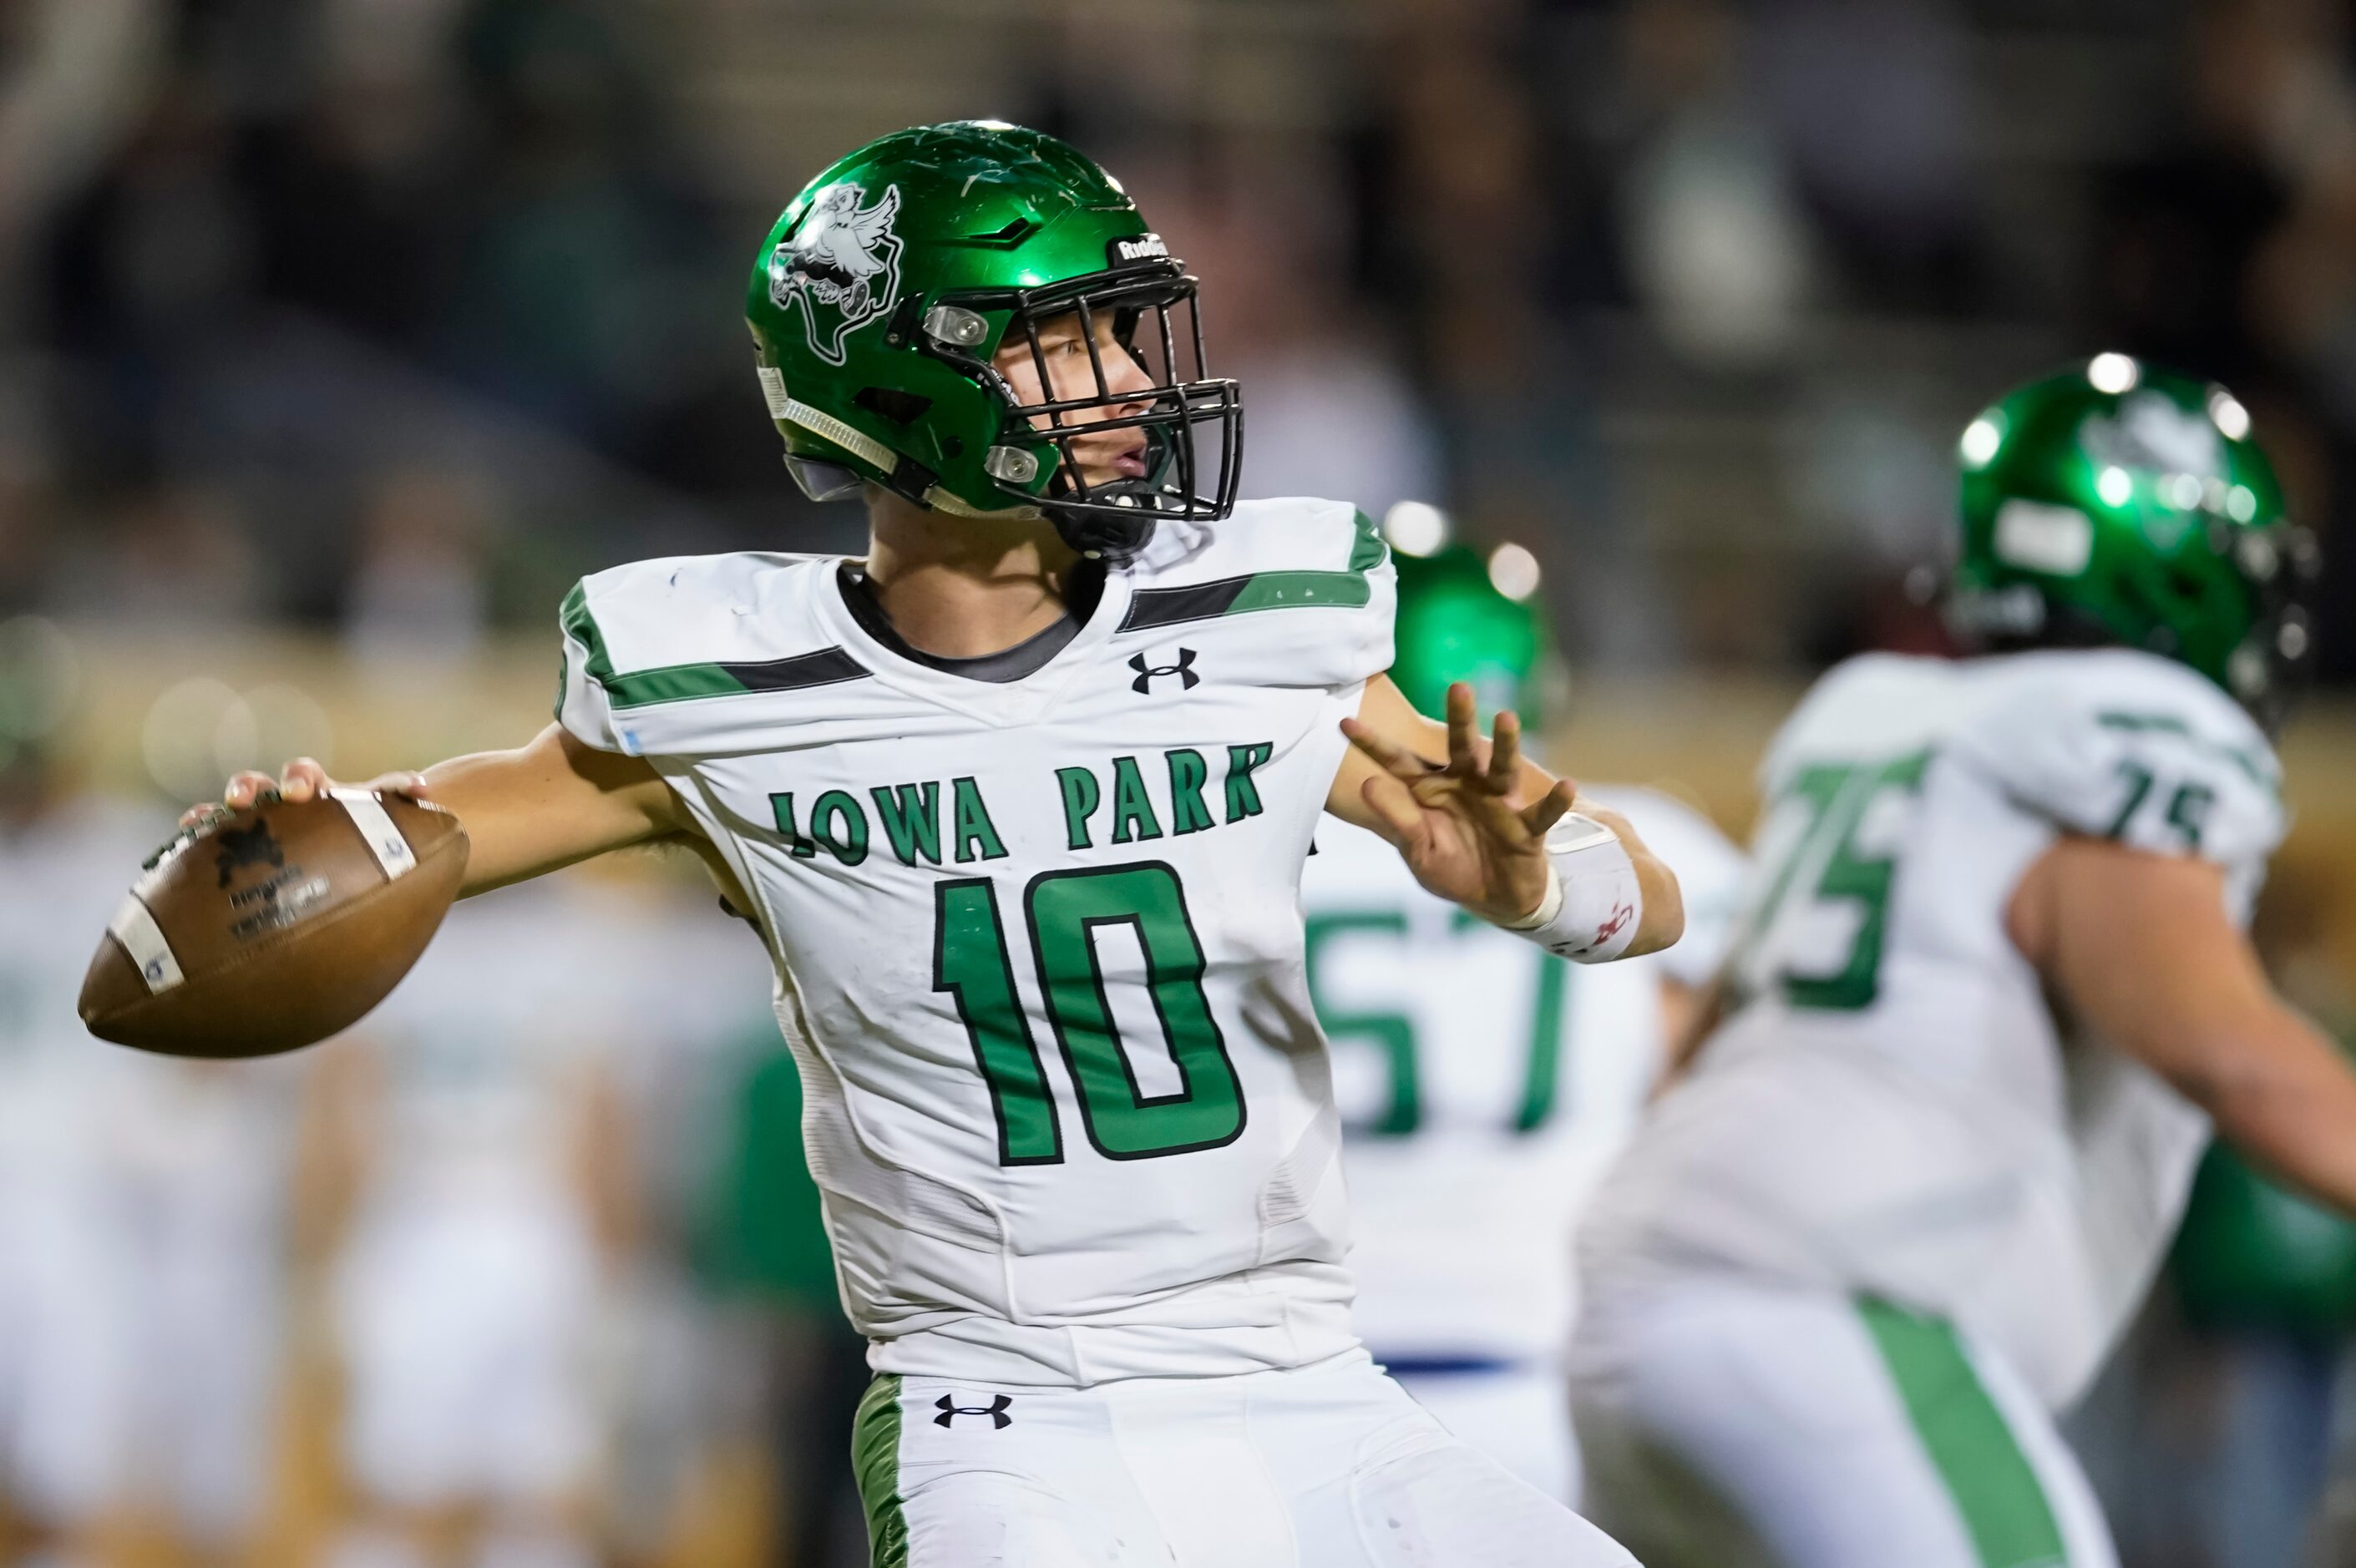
1485, 1084
1038, 943
1892, 1108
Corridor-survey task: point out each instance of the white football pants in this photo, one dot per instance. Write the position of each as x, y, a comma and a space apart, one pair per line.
1519, 1416
1733, 1424
1324, 1466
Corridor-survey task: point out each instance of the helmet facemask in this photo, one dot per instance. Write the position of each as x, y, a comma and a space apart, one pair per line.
2274, 663
1110, 520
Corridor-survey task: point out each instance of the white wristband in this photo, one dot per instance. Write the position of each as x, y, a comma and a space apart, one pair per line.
1593, 902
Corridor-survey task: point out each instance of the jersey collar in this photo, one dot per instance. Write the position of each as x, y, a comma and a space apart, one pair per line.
1013, 701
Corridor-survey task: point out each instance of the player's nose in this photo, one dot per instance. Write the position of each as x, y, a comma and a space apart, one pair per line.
1125, 379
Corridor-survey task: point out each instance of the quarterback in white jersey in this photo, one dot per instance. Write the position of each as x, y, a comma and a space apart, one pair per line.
1485, 1085
1020, 802
1990, 990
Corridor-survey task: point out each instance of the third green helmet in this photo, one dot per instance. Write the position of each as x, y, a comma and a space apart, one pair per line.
2119, 502
1457, 622
883, 292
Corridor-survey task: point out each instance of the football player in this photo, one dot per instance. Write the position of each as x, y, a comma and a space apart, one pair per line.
1020, 801
65, 1262
200, 1154
1989, 993
1483, 1085
474, 1146
473, 1139
139, 1203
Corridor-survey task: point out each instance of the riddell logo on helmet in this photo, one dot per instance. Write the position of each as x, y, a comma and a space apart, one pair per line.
1135, 248
841, 264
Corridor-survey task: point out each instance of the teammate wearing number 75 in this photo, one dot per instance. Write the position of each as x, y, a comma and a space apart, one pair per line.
1990, 992
1020, 803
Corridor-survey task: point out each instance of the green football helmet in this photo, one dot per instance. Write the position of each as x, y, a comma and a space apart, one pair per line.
883, 292
2119, 502
1456, 623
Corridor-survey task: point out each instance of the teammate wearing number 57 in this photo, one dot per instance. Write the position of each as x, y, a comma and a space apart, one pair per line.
1020, 803
1990, 992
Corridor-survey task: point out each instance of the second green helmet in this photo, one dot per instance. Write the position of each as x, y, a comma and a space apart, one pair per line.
2116, 502
1456, 622
884, 292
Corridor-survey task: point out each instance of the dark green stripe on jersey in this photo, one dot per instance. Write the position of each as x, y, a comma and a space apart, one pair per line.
689, 682
1347, 589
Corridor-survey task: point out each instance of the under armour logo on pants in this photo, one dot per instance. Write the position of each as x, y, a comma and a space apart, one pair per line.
996, 1410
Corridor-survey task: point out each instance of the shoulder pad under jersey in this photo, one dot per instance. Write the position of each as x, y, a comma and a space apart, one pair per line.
2126, 745
654, 637
1301, 592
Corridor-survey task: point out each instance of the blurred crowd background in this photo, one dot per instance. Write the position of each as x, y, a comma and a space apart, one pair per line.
338, 337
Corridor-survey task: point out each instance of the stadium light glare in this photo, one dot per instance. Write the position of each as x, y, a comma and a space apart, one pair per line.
2113, 373
1415, 527
1513, 572
1981, 439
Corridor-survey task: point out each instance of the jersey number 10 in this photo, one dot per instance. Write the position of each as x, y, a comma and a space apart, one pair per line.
1062, 912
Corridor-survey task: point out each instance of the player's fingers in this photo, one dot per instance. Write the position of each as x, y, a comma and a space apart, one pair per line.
196, 814
1397, 816
245, 787
301, 779
1463, 731
1388, 755
1505, 772
408, 784
1550, 810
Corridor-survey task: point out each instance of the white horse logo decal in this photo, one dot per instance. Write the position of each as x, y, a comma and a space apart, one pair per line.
842, 260
2151, 431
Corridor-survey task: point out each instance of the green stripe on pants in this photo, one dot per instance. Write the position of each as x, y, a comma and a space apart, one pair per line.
1996, 1488
875, 1458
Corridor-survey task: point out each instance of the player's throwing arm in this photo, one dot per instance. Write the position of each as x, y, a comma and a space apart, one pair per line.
536, 808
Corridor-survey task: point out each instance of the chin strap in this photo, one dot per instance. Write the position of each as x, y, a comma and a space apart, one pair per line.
1112, 540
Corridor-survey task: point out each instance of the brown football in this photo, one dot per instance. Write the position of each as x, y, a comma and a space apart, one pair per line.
275, 926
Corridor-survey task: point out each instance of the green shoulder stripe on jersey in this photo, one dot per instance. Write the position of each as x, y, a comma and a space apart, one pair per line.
1996, 1488
686, 682
875, 1458
581, 627
1347, 589
2169, 724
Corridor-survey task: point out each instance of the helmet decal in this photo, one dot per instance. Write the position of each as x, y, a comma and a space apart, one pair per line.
841, 263
2150, 431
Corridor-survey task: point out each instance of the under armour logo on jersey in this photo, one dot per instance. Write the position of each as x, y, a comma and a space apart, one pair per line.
996, 1410
1183, 669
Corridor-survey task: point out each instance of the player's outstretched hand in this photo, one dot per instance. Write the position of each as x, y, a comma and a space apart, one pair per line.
303, 779
1463, 829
